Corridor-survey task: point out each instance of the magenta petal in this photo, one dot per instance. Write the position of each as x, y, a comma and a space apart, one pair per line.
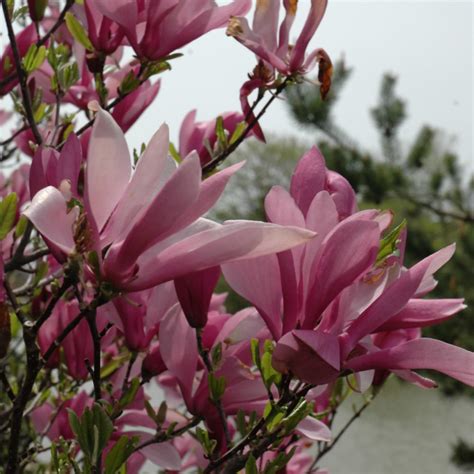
108, 168
421, 313
348, 252
394, 298
308, 179
422, 353
314, 429
48, 213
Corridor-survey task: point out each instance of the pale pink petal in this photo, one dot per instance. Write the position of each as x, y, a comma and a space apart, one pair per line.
229, 242
142, 188
108, 168
314, 429
48, 213
164, 455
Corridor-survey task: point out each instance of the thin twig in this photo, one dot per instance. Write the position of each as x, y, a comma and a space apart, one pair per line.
204, 353
96, 380
42, 41
22, 76
230, 149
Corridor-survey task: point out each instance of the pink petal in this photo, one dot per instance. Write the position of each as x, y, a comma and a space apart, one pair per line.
308, 178
108, 168
348, 252
143, 186
314, 429
421, 313
258, 281
229, 242
422, 353
164, 455
48, 213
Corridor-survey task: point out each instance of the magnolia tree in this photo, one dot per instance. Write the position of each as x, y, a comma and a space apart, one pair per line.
115, 350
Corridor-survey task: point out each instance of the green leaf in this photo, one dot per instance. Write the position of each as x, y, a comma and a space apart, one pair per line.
119, 453
388, 245
216, 354
129, 84
255, 350
220, 132
251, 465
216, 387
161, 414
237, 132
34, 58
21, 226
78, 32
8, 208
174, 153
130, 393
302, 410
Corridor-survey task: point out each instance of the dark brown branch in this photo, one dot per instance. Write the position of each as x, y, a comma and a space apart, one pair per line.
22, 76
32, 257
91, 321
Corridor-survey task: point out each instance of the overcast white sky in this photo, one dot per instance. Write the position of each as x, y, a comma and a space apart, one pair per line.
428, 44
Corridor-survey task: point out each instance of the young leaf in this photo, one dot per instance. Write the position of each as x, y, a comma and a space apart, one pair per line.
78, 32
251, 465
8, 208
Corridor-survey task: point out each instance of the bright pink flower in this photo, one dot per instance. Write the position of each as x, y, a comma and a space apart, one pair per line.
201, 136
271, 44
156, 29
147, 225
104, 34
325, 300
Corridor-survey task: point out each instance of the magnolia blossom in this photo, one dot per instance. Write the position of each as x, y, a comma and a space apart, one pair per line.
156, 29
272, 44
327, 302
145, 225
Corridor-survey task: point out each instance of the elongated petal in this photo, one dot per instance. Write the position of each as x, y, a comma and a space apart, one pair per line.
314, 429
394, 298
347, 254
108, 168
48, 213
308, 179
142, 188
258, 281
421, 313
316, 13
422, 353
265, 22
231, 241
164, 455
161, 218
180, 358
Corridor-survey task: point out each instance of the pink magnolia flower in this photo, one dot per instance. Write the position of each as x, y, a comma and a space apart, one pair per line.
156, 29
325, 300
271, 44
201, 136
145, 226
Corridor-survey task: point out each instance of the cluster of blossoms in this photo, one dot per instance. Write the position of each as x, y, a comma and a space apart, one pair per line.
110, 269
